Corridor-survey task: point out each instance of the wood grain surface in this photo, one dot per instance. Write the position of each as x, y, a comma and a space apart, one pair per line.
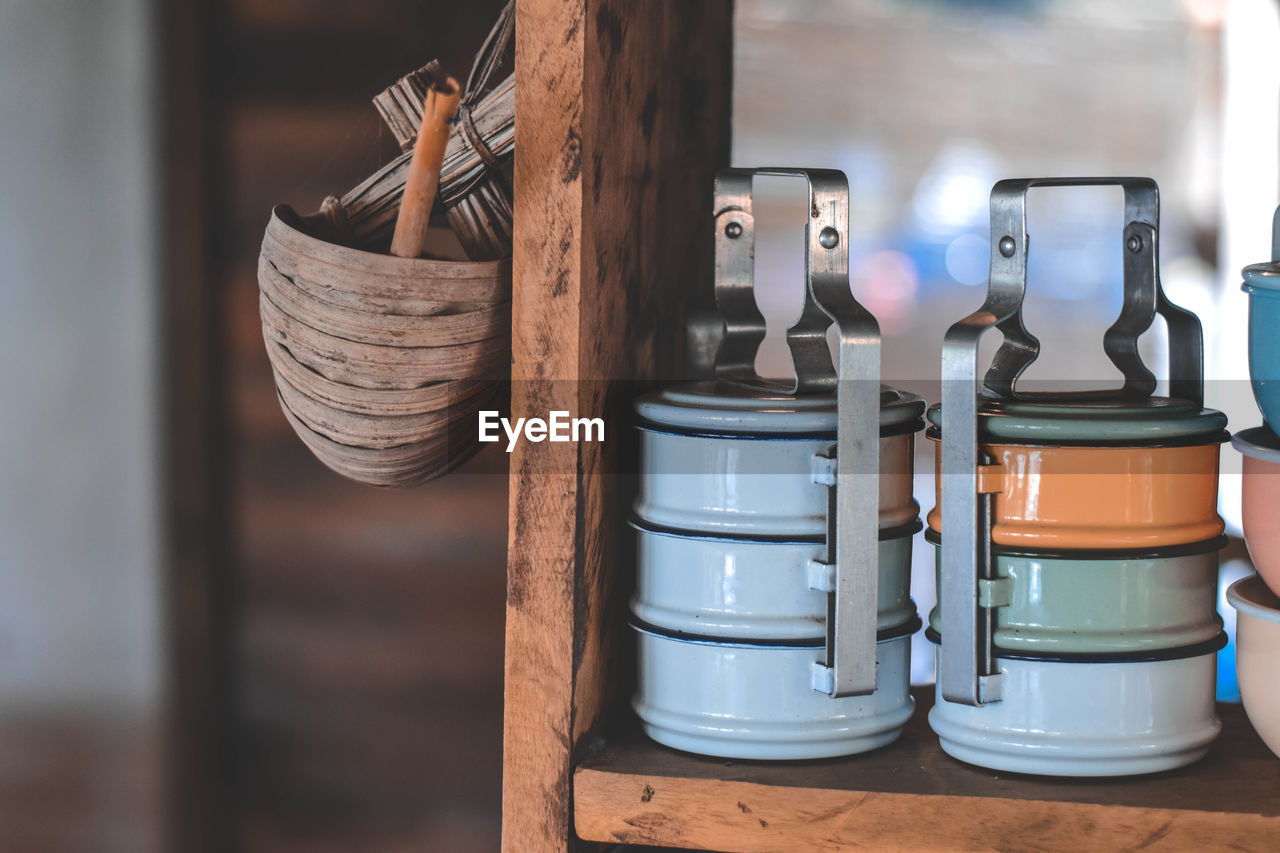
912, 796
623, 114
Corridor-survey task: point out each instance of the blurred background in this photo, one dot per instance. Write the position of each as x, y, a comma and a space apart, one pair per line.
329, 656
926, 103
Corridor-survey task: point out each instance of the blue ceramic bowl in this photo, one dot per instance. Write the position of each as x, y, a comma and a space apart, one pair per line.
1262, 283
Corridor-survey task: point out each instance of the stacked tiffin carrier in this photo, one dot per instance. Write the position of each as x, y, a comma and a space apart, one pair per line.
1077, 533
774, 522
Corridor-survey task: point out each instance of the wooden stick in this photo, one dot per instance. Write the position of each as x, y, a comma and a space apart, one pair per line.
420, 184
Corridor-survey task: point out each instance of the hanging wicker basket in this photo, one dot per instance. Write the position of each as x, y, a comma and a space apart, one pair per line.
382, 363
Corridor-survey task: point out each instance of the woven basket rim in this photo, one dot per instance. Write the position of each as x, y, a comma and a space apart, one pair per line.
287, 228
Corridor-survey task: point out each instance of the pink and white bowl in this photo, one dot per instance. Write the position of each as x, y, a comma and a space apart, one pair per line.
1257, 652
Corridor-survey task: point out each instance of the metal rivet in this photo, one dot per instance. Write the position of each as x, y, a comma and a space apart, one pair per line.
733, 230
1007, 246
829, 237
1134, 243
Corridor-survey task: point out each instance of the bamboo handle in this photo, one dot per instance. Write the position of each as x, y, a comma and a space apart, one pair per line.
438, 108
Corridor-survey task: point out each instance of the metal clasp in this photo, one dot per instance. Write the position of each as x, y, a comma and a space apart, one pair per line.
850, 469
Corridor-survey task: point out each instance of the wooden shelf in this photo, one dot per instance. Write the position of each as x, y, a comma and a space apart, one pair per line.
912, 796
623, 110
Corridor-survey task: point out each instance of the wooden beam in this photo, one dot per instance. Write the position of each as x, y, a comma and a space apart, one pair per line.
622, 111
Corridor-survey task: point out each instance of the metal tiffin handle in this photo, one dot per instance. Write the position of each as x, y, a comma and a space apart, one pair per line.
1275, 236
848, 570
968, 673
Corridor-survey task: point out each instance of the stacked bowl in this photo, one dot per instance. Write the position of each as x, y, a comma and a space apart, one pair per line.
1077, 534
1258, 610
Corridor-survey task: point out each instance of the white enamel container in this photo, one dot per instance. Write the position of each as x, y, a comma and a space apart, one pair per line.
715, 587
730, 526
1099, 718
736, 700
737, 460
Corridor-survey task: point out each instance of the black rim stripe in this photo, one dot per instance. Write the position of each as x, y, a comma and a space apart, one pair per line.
1206, 546
1220, 437
887, 431
906, 629
902, 531
1180, 653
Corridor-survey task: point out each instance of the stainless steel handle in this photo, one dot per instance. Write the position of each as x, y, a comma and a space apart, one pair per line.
1143, 295
968, 673
735, 241
1275, 236
849, 569
735, 244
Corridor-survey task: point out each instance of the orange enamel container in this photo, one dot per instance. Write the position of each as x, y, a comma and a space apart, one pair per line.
1157, 490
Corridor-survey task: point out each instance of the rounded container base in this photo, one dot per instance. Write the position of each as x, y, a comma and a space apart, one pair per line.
1011, 756
714, 744
757, 702
1087, 719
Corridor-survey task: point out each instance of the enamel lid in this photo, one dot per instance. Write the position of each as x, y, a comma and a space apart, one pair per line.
1258, 442
1150, 420
1265, 276
732, 408
1251, 596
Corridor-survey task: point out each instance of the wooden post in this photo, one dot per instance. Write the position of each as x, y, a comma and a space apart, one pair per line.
622, 111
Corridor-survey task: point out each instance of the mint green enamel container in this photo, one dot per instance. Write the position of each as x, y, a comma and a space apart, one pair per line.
1103, 603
